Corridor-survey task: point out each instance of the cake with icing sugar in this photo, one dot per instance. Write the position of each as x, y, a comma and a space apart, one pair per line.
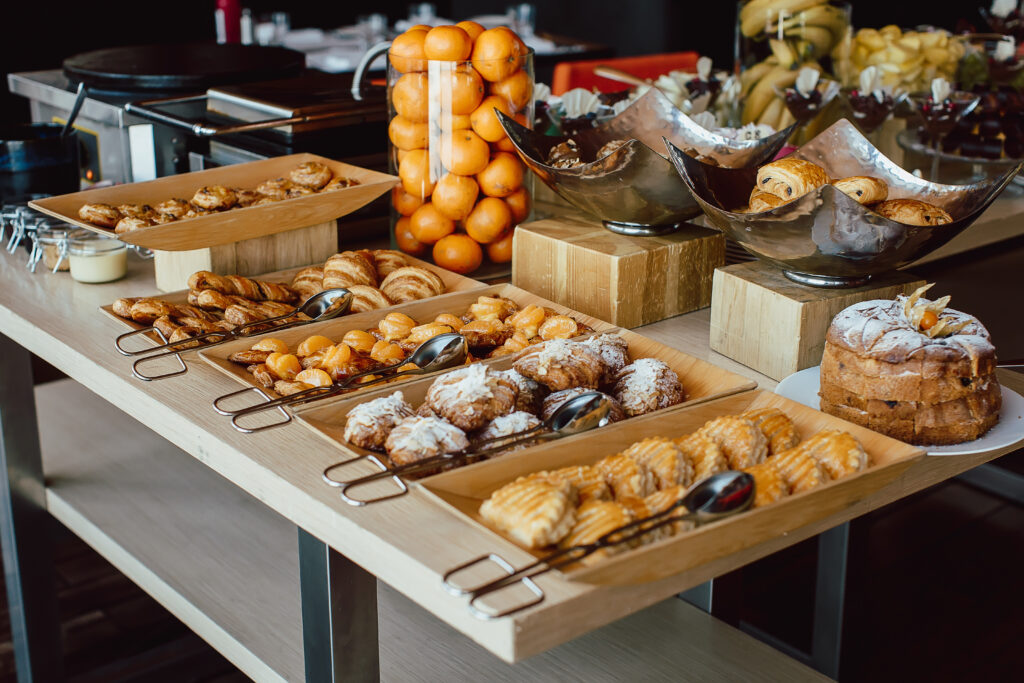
912, 369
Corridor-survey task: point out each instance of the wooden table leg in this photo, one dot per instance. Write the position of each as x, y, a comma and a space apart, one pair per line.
25, 526
339, 615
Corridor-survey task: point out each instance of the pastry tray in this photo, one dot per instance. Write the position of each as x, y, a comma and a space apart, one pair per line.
229, 226
462, 490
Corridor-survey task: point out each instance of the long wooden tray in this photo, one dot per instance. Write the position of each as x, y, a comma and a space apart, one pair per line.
229, 226
463, 490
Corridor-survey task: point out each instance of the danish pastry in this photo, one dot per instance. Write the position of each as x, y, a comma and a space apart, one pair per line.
865, 189
659, 502
482, 335
913, 212
532, 511
147, 310
472, 396
625, 476
800, 471
103, 215
594, 519
246, 197
386, 261
769, 485
743, 444
349, 268
646, 385
763, 201
790, 178
776, 427
276, 189
530, 394
369, 424
666, 461
839, 453
299, 191
418, 438
367, 298
173, 207
706, 455
311, 174
561, 364
410, 283
129, 223
613, 351
215, 198
553, 401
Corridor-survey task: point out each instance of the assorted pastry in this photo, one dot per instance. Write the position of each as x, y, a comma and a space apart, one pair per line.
788, 179
493, 326
477, 402
307, 178
567, 154
912, 369
580, 503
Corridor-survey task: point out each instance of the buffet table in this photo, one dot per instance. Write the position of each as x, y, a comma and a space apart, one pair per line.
220, 552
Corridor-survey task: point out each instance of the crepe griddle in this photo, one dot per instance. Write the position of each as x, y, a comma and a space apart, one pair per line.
181, 67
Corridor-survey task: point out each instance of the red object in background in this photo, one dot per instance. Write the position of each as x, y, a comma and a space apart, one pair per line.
228, 17
569, 75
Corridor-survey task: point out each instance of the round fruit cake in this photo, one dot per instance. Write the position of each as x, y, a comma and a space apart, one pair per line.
912, 370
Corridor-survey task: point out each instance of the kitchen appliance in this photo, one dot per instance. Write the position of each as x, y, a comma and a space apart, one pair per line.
36, 159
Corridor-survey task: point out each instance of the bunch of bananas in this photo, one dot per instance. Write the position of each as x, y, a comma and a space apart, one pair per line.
906, 59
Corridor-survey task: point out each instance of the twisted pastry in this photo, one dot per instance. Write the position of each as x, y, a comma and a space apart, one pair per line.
256, 290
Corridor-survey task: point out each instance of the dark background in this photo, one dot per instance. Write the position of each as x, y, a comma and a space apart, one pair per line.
39, 35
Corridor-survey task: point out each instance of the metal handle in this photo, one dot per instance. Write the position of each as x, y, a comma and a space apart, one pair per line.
364, 65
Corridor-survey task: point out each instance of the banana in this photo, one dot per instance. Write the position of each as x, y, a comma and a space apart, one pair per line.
786, 120
832, 18
758, 15
750, 77
762, 94
819, 36
773, 113
784, 52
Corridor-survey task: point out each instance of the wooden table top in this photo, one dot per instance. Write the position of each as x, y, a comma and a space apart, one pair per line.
408, 543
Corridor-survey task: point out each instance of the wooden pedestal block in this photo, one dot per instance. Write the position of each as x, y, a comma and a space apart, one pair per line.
628, 281
279, 251
776, 326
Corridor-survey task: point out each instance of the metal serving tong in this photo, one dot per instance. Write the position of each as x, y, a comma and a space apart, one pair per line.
713, 498
325, 305
578, 414
437, 353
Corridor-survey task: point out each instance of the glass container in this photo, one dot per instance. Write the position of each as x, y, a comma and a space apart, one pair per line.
95, 258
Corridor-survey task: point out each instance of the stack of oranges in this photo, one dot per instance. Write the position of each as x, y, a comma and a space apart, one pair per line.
462, 187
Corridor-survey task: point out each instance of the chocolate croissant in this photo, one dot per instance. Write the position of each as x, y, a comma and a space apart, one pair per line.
913, 212
790, 178
865, 189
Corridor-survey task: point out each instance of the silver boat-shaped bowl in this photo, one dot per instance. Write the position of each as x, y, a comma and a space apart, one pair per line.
826, 238
634, 190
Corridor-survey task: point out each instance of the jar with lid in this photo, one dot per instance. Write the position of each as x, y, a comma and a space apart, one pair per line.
50, 245
95, 258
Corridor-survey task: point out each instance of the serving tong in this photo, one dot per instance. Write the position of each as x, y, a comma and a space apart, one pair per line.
718, 496
579, 414
322, 306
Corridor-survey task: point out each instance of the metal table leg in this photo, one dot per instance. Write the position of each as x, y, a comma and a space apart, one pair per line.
339, 615
25, 526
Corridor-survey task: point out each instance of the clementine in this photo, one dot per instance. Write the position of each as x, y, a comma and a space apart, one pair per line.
409, 97
519, 204
447, 44
414, 172
464, 152
472, 28
404, 202
454, 196
405, 134
406, 52
489, 220
404, 239
496, 53
502, 177
466, 90
485, 121
517, 89
458, 253
428, 225
500, 250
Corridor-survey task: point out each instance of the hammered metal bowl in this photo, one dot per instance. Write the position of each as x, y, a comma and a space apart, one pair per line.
634, 190
826, 238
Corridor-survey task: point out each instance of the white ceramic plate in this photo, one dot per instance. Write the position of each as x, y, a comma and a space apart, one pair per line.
803, 386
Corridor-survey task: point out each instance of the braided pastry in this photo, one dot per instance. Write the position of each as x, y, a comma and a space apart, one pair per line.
255, 290
472, 396
349, 268
560, 364
410, 283
146, 310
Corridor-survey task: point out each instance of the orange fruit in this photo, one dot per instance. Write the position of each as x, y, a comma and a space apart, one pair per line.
399, 155
409, 97
428, 225
464, 152
496, 53
466, 89
519, 204
517, 89
456, 122
489, 220
404, 239
502, 177
404, 202
415, 173
405, 134
454, 195
406, 52
500, 250
472, 28
420, 27
503, 145
447, 44
458, 253
485, 121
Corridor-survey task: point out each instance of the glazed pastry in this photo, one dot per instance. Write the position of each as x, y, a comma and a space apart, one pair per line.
790, 178
763, 201
212, 300
276, 189
913, 212
129, 223
613, 351
174, 207
800, 471
666, 461
215, 198
472, 396
299, 191
349, 268
311, 174
769, 485
387, 261
839, 453
646, 385
410, 283
146, 310
308, 281
369, 424
742, 442
103, 215
560, 364
594, 519
625, 476
165, 326
492, 308
417, 438
136, 210
776, 427
589, 481
865, 189
123, 306
366, 298
556, 399
534, 512
706, 455
339, 183
527, 320
530, 394
485, 334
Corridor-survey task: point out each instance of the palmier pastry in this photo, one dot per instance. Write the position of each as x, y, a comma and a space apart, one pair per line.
589, 481
554, 401
369, 424
838, 452
560, 364
913, 212
308, 281
613, 351
534, 512
763, 201
103, 215
349, 268
646, 385
769, 485
800, 471
865, 189
311, 174
366, 298
485, 334
129, 223
740, 439
215, 198
706, 455
594, 519
530, 394
339, 183
505, 426
174, 207
418, 438
410, 283
790, 178
276, 189
666, 461
387, 261
776, 427
136, 210
472, 396
625, 476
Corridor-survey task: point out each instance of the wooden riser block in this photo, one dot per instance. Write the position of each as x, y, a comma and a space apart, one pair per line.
628, 281
777, 326
267, 254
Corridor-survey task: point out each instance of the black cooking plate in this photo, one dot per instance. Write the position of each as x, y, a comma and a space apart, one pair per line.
184, 67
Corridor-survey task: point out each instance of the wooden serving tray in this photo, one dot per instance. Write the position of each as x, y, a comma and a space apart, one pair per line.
230, 226
463, 490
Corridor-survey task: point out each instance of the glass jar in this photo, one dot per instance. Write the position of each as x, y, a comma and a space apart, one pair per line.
95, 258
50, 246
463, 188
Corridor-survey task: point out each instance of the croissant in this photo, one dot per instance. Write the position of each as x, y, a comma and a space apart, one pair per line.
865, 189
646, 385
913, 212
417, 438
386, 261
367, 298
308, 281
410, 283
349, 268
369, 424
790, 178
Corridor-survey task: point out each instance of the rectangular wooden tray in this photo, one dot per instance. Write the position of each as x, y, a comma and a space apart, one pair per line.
229, 226
463, 490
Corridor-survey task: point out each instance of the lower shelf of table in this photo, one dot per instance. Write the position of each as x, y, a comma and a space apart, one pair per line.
226, 565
